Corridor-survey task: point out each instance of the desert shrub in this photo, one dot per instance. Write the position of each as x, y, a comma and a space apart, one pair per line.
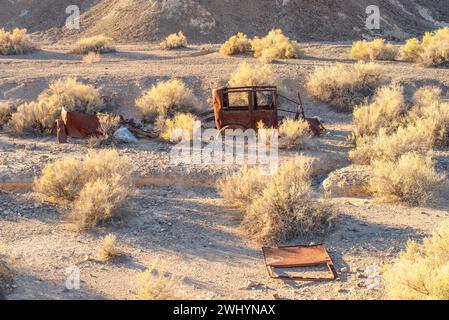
91, 57
411, 179
167, 98
97, 44
342, 86
433, 50
427, 96
421, 271
240, 188
413, 137
153, 284
98, 186
179, 128
61, 180
174, 41
411, 50
238, 43
278, 207
15, 42
387, 110
6, 276
64, 93
285, 208
293, 133
275, 45
108, 247
377, 49
6, 111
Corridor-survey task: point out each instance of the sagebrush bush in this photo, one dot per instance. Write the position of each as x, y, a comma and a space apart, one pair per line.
411, 179
411, 50
377, 49
238, 43
109, 123
240, 188
97, 186
275, 45
6, 111
15, 42
179, 128
174, 41
167, 98
97, 44
421, 271
387, 110
153, 284
414, 137
64, 93
108, 247
293, 133
277, 207
342, 86
432, 51
91, 57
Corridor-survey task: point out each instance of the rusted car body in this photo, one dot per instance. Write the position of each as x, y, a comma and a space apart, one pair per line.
244, 107
77, 125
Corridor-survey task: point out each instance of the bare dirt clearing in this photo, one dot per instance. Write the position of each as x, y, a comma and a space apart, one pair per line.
186, 226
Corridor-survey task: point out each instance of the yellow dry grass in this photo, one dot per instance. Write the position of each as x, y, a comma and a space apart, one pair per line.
344, 86
174, 41
64, 93
421, 271
91, 57
275, 45
153, 284
15, 42
179, 128
411, 179
377, 49
167, 98
97, 44
108, 247
97, 187
238, 43
293, 133
277, 207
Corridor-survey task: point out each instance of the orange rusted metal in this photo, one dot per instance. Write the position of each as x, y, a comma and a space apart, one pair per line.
299, 257
77, 125
244, 107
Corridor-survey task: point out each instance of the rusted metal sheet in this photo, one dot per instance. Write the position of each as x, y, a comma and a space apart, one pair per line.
299, 257
80, 125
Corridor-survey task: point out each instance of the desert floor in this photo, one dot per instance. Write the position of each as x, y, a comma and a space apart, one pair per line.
179, 218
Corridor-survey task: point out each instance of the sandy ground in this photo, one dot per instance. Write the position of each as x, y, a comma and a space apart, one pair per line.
182, 222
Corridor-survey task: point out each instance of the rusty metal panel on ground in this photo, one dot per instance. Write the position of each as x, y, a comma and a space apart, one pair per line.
299, 257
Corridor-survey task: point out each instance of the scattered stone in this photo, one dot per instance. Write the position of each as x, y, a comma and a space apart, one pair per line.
344, 270
352, 181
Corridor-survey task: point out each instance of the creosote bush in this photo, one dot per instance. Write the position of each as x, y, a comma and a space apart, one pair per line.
411, 179
40, 115
238, 43
275, 45
342, 86
15, 42
165, 99
377, 49
174, 41
278, 207
97, 44
179, 128
421, 271
154, 284
6, 111
432, 51
96, 187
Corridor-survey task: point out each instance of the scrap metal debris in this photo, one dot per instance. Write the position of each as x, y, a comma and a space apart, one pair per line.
299, 257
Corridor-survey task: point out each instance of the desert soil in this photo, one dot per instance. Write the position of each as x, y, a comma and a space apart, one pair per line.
179, 218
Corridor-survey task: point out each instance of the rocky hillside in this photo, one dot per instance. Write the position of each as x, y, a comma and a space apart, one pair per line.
213, 20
